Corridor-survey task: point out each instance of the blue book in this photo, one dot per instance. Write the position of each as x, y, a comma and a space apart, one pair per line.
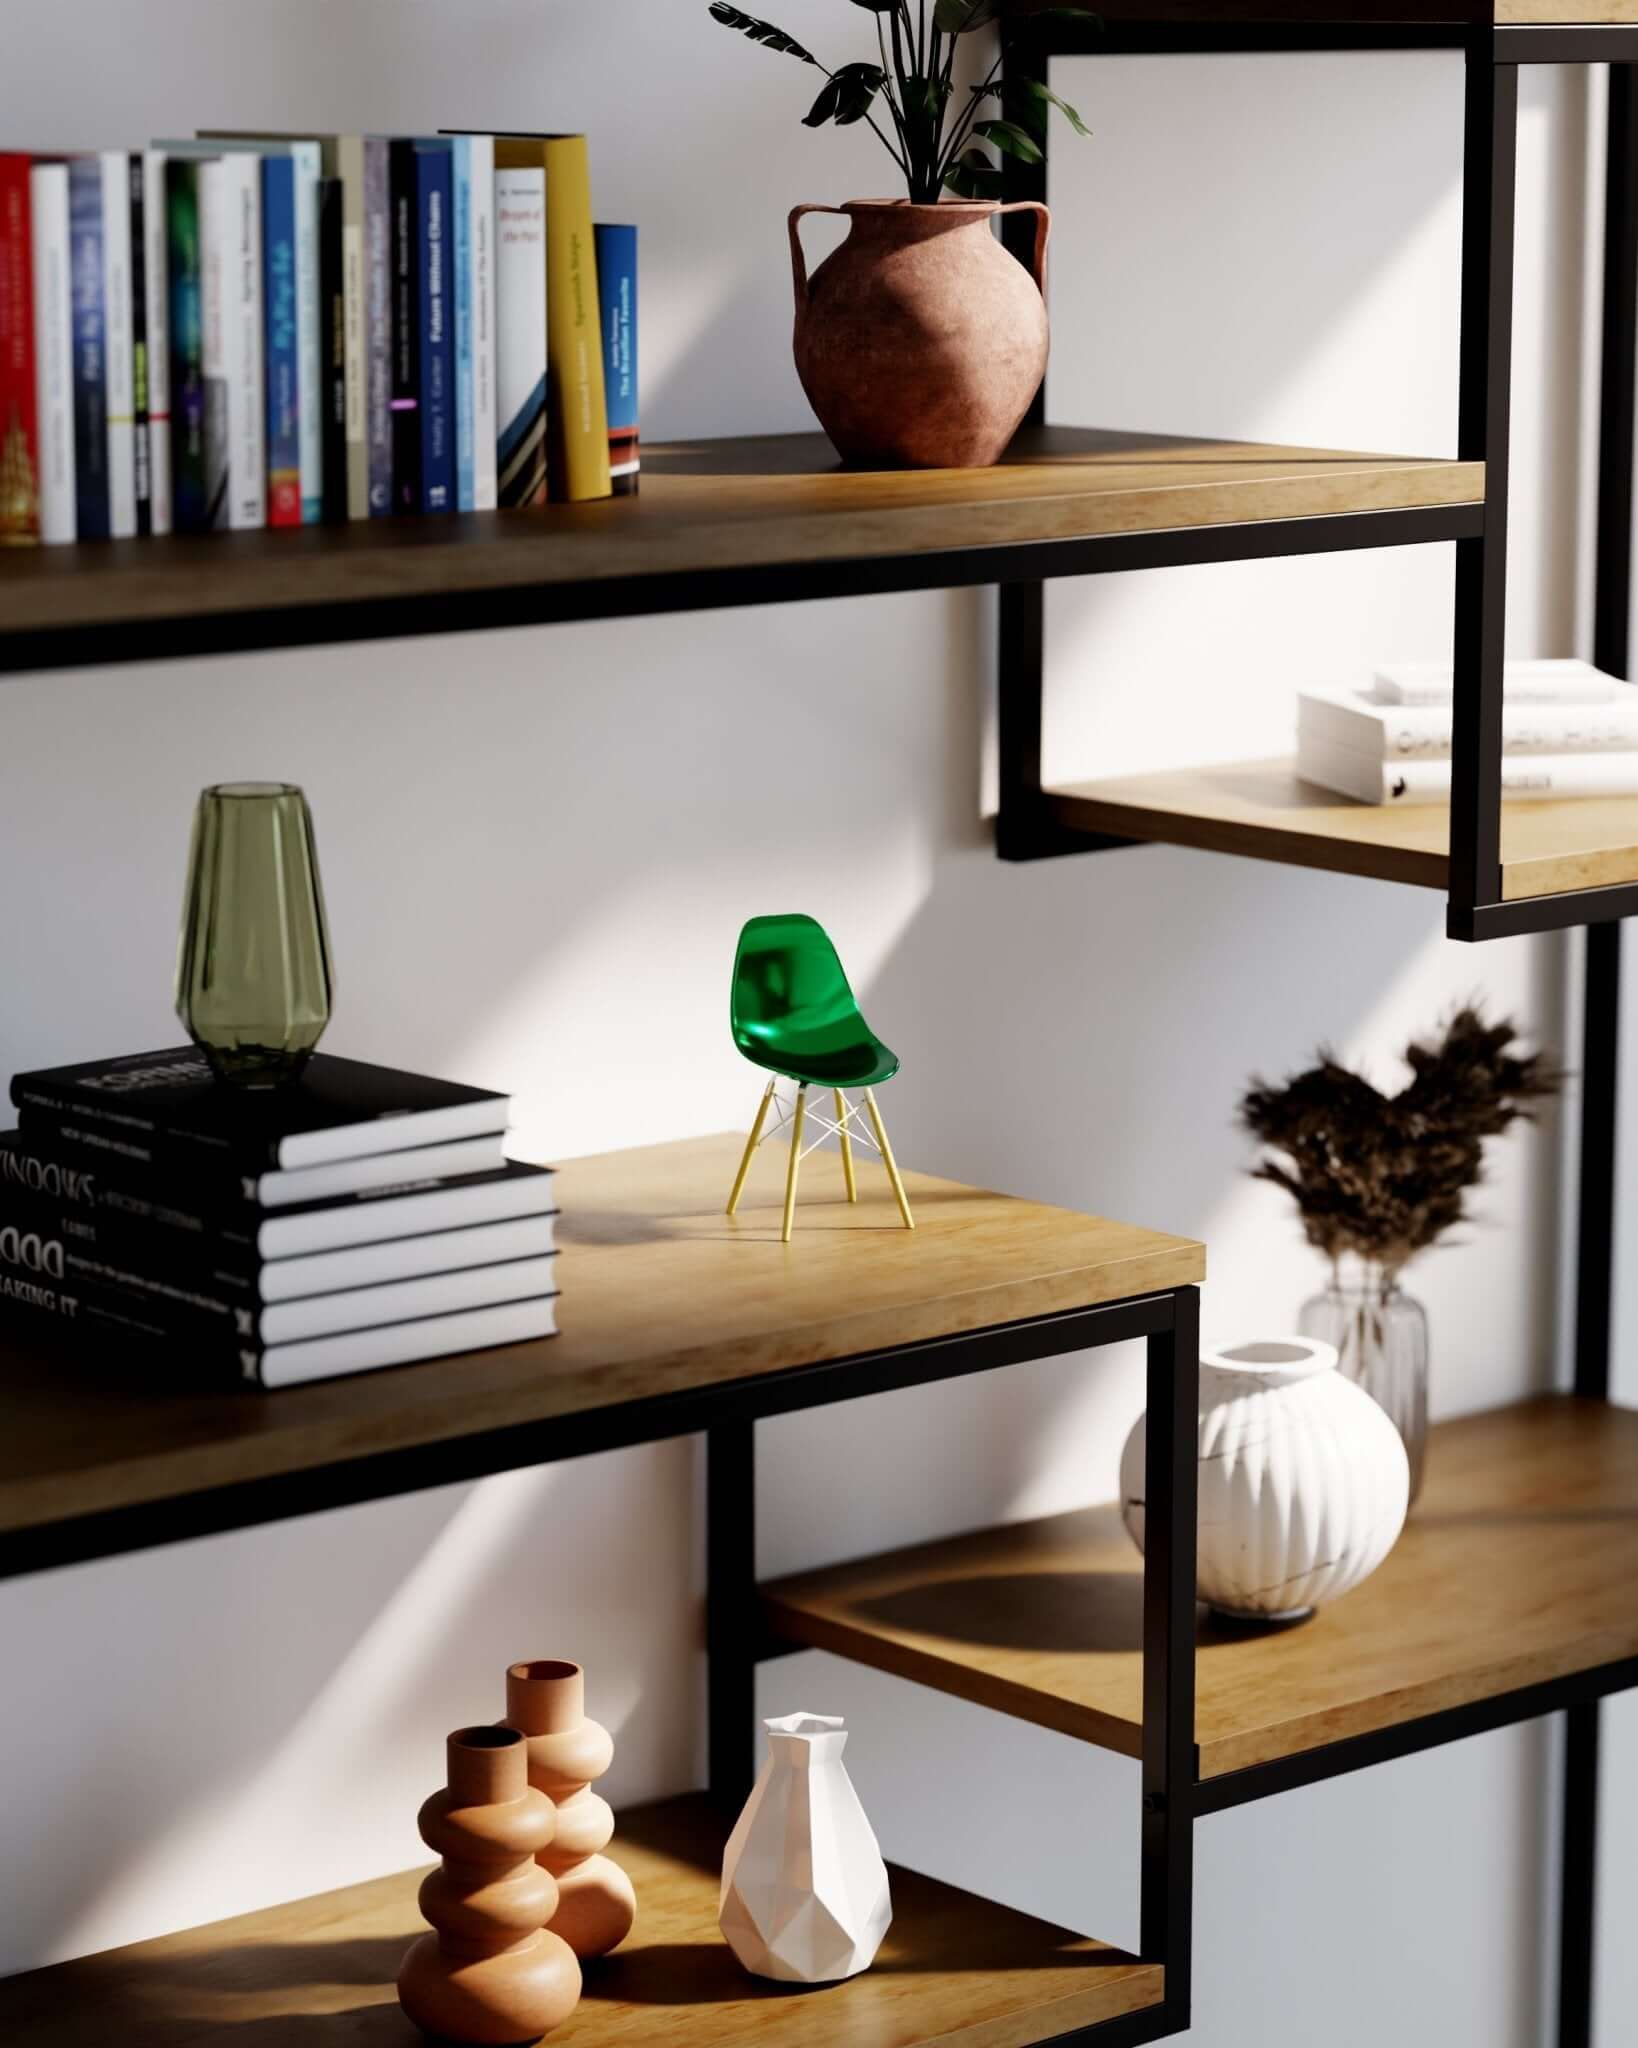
465, 472
283, 357
434, 189
617, 301
90, 349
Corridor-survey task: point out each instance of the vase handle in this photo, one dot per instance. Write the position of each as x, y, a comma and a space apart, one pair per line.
799, 266
1043, 229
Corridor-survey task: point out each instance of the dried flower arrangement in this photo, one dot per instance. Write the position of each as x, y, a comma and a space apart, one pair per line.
1386, 1176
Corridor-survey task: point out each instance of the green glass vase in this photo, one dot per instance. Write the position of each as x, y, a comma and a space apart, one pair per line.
253, 976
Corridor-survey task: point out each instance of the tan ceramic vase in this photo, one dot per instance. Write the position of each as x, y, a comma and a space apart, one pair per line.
920, 341
490, 1974
546, 1701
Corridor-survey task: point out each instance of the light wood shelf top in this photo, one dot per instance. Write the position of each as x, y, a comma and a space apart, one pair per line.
1262, 809
1217, 14
953, 1970
661, 1293
705, 508
1517, 1566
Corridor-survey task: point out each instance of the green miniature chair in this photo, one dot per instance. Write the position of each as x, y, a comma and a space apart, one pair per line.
793, 1013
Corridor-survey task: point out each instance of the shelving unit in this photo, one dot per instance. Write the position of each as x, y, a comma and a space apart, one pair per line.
954, 1969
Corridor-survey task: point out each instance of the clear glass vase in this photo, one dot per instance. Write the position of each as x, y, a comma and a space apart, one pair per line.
1381, 1336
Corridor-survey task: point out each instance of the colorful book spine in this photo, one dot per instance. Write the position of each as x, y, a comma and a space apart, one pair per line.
574, 346
214, 211
53, 349
19, 400
190, 426
435, 296
91, 506
141, 440
406, 333
305, 171
520, 335
156, 315
283, 353
377, 337
617, 290
116, 334
461, 166
475, 320
332, 395
239, 222
349, 167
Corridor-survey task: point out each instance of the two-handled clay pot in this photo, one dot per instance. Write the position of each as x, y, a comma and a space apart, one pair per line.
921, 341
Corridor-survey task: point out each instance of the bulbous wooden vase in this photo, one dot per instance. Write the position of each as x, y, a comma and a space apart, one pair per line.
920, 342
490, 1974
546, 1702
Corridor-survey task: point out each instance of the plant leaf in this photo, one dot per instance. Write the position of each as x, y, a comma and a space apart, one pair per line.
824, 107
1045, 97
955, 17
878, 6
858, 85
1014, 140
762, 32
974, 177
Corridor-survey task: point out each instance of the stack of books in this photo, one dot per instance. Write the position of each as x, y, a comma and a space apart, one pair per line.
357, 1217
245, 331
1567, 730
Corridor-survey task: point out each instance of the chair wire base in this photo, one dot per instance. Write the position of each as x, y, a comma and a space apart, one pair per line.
849, 1126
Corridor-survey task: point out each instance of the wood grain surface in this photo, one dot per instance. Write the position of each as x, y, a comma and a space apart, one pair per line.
661, 1292
722, 504
1519, 1564
319, 1973
1263, 810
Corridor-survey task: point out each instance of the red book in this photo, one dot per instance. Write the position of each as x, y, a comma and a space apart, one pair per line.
19, 427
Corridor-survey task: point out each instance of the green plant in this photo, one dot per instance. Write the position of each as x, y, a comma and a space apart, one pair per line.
932, 132
1385, 1176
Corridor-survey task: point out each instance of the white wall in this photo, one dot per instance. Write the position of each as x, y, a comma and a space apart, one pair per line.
518, 829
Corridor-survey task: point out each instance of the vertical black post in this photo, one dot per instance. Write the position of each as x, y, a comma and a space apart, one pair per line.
731, 1609
1023, 57
1577, 1886
1020, 676
1595, 1217
1481, 565
1171, 1493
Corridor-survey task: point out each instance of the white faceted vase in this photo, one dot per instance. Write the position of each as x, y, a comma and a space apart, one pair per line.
804, 1887
1304, 1482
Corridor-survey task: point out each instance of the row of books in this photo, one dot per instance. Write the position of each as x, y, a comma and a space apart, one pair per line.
356, 1218
244, 331
1567, 730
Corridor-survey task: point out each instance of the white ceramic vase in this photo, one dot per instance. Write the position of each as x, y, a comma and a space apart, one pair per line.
804, 1888
1304, 1481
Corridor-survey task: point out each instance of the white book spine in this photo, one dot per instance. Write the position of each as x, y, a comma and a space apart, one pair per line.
520, 336
116, 306
157, 304
484, 427
1523, 682
244, 342
1524, 776
53, 348
1425, 732
306, 159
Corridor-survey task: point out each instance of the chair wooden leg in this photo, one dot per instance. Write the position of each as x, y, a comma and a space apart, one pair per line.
796, 1161
847, 1147
888, 1160
751, 1144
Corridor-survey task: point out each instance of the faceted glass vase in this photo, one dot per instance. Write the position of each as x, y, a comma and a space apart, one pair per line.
253, 975
1381, 1336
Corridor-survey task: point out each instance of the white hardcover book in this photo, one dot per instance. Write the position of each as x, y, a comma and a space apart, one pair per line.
1523, 682
285, 1186
116, 310
1423, 732
408, 1258
157, 305
1524, 776
402, 1301
482, 270
236, 227
520, 336
53, 348
323, 1358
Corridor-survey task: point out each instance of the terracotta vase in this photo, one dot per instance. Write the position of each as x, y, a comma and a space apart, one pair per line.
490, 1974
920, 341
546, 1702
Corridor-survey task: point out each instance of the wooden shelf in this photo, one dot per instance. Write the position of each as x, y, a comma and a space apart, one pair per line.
1262, 809
662, 1295
1518, 1566
716, 522
953, 1970
1217, 14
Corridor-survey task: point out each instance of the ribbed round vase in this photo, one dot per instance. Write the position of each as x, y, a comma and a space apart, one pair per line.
546, 1702
1304, 1482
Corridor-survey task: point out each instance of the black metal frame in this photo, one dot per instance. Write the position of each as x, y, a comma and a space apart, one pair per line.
1028, 827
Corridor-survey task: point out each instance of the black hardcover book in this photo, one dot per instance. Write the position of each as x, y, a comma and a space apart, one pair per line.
128, 1215
333, 349
175, 1346
176, 1114
142, 456
406, 328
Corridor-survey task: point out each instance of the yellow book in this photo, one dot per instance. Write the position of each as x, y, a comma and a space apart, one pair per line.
577, 422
